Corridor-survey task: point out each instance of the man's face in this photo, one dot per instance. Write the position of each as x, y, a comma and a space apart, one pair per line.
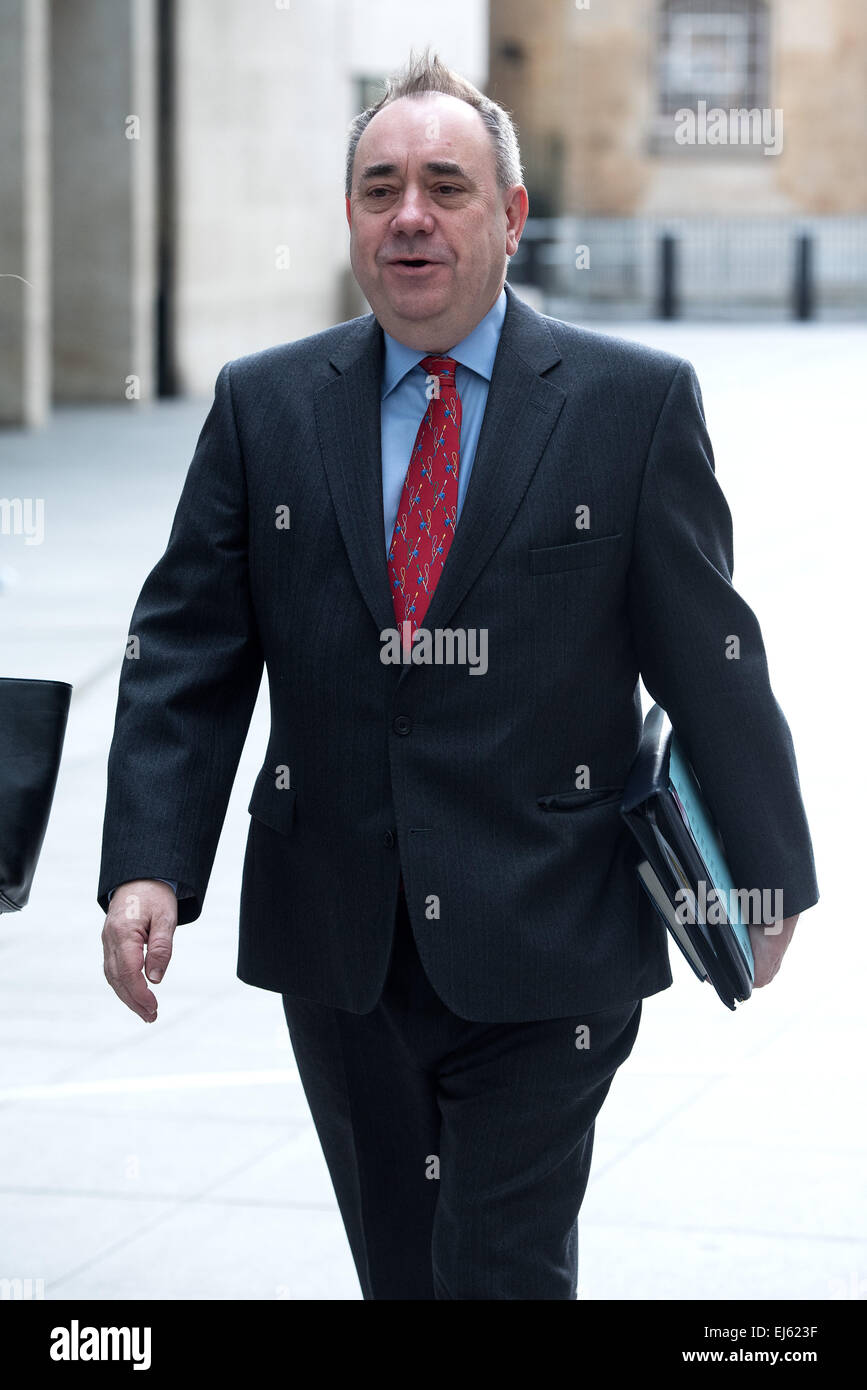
429, 228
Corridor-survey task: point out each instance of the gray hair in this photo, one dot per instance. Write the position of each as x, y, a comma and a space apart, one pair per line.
429, 74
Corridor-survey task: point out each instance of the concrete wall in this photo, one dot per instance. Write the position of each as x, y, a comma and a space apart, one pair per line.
24, 213
264, 98
103, 187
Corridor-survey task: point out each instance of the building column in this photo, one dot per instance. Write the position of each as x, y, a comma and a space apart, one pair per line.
104, 60
25, 353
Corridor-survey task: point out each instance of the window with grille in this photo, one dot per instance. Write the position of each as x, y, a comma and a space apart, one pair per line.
712, 50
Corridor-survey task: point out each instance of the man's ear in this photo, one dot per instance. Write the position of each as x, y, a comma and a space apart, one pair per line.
517, 205
349, 212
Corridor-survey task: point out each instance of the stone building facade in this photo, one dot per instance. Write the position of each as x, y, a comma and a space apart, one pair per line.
172, 180
594, 86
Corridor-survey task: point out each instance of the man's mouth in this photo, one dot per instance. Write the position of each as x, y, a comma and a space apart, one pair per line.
414, 262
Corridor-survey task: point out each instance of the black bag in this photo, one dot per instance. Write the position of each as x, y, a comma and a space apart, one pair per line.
33, 716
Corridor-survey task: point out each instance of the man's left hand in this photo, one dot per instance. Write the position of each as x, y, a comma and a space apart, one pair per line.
769, 946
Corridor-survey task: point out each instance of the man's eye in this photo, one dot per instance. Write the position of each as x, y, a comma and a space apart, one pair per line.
379, 193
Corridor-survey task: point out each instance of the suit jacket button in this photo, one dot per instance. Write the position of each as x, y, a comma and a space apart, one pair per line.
388, 839
402, 724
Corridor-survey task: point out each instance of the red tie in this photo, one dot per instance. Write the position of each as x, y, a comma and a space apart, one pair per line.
428, 510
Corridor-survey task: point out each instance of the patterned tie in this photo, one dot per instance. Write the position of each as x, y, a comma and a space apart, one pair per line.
428, 510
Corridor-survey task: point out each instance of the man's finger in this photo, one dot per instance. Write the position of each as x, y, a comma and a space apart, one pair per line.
159, 950
123, 970
136, 995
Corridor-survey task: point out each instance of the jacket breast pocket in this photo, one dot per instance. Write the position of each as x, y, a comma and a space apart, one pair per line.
551, 559
273, 806
580, 797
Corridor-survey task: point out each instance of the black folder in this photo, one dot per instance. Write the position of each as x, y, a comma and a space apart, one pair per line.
33, 716
681, 861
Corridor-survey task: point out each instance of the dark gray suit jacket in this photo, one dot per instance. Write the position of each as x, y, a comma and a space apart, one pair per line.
521, 887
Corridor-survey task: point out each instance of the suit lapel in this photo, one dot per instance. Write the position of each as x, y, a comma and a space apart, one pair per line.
521, 411
348, 422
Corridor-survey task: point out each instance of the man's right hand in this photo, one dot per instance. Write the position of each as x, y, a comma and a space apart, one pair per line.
137, 941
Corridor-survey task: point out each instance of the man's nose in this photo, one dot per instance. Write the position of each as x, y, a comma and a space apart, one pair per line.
413, 213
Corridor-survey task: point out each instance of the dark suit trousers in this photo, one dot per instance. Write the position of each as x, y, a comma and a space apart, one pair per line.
459, 1151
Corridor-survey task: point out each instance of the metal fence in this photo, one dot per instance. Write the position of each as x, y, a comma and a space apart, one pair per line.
697, 268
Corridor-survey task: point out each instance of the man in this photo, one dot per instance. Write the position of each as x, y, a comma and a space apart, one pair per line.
454, 531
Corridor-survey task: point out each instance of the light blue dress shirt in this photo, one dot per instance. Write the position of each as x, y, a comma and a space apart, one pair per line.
170, 881
403, 404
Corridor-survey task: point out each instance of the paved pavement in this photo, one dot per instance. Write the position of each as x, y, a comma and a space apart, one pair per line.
180, 1161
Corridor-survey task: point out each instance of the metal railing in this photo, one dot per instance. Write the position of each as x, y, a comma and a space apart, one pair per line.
697, 268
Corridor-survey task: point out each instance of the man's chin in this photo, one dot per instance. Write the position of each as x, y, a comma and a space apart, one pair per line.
418, 302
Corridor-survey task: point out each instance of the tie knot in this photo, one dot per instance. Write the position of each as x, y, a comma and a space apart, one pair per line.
441, 366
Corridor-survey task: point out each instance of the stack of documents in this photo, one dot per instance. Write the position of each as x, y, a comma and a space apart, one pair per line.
682, 863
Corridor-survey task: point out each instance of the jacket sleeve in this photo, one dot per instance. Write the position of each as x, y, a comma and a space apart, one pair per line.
188, 683
701, 656
170, 881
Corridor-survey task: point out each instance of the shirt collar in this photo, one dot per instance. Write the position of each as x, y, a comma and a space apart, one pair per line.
476, 351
